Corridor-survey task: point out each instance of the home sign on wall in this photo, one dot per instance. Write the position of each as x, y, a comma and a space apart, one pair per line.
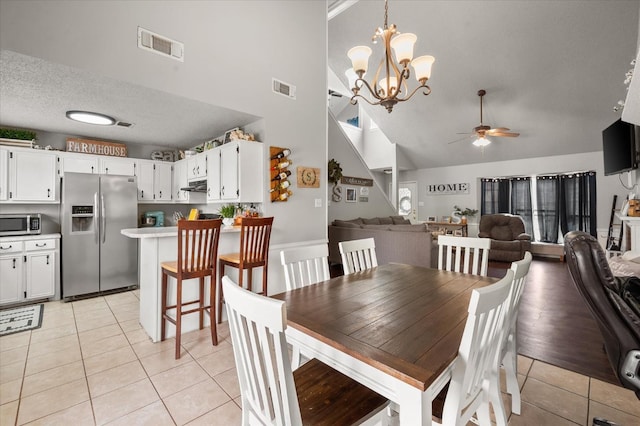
447, 188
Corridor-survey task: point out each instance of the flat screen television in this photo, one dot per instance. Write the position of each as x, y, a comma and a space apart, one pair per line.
619, 148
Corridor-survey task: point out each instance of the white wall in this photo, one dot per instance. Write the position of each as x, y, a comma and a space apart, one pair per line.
232, 51
352, 165
441, 205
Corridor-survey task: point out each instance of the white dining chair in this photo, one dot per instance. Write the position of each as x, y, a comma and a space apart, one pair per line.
476, 367
358, 255
271, 393
457, 253
509, 354
305, 265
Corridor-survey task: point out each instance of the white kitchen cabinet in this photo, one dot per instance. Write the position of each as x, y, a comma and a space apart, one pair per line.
11, 262
213, 175
242, 172
154, 181
118, 166
79, 163
197, 167
33, 176
28, 268
180, 181
4, 174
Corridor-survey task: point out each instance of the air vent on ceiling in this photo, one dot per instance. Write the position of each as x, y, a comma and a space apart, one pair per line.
284, 89
161, 45
124, 124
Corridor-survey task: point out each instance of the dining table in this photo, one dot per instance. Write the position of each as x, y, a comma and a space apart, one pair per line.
395, 328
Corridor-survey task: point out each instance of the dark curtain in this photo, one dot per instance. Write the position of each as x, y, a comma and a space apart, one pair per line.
521, 201
494, 196
548, 200
578, 202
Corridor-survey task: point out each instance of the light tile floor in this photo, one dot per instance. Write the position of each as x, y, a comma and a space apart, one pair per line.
91, 363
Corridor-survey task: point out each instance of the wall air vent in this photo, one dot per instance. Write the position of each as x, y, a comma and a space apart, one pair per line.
161, 45
284, 89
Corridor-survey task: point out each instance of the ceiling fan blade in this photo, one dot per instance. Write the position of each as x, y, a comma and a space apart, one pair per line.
505, 134
502, 129
465, 133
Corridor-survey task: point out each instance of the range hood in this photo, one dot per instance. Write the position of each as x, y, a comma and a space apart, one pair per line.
196, 186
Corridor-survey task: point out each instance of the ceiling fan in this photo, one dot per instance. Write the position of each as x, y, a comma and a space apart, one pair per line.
482, 131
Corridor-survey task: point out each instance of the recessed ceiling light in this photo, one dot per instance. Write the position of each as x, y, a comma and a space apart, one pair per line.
91, 118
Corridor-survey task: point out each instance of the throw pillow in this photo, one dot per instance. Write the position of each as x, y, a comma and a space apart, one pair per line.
372, 221
386, 221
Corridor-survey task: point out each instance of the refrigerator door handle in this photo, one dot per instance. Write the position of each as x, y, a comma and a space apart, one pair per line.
103, 213
96, 228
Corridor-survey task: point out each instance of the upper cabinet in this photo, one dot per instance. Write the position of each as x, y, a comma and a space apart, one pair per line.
197, 167
78, 163
32, 176
238, 173
4, 174
154, 181
118, 166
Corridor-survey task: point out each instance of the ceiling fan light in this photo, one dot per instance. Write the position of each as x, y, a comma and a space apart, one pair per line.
91, 118
359, 56
422, 66
481, 141
402, 45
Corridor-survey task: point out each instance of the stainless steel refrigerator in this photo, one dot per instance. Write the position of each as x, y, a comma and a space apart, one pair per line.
95, 255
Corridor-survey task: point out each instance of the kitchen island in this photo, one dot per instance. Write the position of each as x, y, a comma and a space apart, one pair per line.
160, 244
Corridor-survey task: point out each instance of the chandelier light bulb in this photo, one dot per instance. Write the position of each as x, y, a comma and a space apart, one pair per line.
402, 45
422, 66
392, 85
359, 56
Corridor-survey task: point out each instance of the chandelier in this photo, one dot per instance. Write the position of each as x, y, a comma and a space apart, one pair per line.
392, 86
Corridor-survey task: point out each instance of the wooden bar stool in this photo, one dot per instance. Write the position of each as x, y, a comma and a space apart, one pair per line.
255, 233
197, 253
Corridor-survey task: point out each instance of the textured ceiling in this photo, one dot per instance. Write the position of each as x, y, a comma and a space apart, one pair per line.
552, 70
35, 94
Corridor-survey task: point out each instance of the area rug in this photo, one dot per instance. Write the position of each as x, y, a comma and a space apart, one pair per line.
20, 319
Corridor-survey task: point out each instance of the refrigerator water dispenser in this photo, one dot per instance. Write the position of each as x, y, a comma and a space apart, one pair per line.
81, 219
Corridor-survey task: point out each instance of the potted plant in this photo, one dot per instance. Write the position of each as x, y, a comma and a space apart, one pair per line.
463, 213
227, 212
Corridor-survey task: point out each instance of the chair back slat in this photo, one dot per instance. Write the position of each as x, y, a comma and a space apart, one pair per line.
477, 363
197, 244
358, 255
257, 326
254, 240
305, 265
464, 254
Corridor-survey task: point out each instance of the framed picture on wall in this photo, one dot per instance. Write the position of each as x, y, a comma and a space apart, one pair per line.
457, 232
352, 195
445, 219
431, 219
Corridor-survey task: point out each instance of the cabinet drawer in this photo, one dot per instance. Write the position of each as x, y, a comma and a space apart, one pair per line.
34, 245
10, 247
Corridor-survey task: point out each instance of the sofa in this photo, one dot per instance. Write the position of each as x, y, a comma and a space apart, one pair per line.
396, 239
509, 242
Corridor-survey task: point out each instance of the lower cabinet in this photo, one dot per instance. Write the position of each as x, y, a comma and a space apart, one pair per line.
28, 269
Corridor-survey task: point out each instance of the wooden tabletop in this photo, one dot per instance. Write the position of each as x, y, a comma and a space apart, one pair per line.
404, 320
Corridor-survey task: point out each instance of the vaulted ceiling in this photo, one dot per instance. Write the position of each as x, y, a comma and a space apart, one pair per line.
553, 71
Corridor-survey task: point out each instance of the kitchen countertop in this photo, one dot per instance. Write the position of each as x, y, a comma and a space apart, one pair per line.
166, 231
30, 237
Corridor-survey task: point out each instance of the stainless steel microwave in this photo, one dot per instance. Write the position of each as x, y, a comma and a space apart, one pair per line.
20, 224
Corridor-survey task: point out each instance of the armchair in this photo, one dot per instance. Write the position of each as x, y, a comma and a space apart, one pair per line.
509, 242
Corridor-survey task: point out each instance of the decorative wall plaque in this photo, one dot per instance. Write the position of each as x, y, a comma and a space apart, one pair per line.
349, 180
308, 177
89, 146
448, 188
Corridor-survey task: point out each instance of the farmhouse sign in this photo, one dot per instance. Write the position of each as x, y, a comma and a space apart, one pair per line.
447, 188
348, 180
88, 146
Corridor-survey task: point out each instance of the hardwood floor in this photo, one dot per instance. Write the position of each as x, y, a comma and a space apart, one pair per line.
554, 324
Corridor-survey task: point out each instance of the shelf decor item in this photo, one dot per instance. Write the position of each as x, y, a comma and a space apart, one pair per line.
334, 172
279, 163
17, 137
